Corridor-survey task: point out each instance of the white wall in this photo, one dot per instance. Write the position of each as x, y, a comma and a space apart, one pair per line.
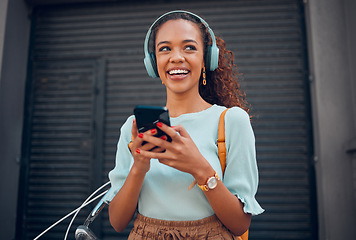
332, 69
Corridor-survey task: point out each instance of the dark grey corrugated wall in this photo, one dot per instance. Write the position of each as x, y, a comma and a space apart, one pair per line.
88, 61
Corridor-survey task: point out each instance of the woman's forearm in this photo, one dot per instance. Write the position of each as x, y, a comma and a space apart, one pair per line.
228, 209
123, 206
226, 206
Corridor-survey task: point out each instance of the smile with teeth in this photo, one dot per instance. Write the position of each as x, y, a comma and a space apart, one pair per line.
178, 71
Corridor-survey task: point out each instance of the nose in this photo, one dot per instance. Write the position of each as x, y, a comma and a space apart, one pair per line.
177, 56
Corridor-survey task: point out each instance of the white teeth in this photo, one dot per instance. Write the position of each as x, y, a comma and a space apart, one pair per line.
178, 71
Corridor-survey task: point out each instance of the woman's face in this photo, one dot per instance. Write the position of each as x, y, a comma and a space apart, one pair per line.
179, 55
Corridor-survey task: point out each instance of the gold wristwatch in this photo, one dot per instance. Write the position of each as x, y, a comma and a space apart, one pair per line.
211, 183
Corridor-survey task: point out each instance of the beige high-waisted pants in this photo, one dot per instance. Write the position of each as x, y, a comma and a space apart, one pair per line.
208, 228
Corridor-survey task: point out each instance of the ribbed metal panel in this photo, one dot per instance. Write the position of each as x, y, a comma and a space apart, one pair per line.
61, 149
268, 42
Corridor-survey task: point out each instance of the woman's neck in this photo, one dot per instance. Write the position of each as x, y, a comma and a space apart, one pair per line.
180, 104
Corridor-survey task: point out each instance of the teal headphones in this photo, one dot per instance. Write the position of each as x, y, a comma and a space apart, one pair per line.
212, 56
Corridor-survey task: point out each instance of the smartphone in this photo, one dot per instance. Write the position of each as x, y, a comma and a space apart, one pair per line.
148, 116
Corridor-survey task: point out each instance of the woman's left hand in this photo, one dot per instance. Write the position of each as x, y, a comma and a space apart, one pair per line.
181, 154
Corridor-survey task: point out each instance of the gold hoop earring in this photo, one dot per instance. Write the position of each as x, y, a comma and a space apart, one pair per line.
204, 76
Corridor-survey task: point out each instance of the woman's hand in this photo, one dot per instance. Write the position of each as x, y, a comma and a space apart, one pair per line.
181, 154
142, 163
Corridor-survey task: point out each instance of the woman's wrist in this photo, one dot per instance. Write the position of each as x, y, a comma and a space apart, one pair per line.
138, 171
203, 173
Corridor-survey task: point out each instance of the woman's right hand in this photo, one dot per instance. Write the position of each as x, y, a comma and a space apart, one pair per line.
141, 163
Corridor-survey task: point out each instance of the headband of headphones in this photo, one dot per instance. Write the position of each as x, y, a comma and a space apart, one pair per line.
212, 56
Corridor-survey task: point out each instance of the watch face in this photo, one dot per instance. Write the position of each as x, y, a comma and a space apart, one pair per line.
212, 182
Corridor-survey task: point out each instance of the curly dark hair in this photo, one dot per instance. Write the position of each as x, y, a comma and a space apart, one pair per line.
222, 85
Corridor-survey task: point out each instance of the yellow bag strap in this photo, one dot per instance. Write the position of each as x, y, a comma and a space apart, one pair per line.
222, 153
221, 141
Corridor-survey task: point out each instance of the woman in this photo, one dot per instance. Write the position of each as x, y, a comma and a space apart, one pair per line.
155, 181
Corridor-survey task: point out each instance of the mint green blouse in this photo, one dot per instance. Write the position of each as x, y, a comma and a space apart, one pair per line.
164, 194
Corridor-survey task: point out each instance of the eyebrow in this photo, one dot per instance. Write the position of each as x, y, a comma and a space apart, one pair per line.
184, 41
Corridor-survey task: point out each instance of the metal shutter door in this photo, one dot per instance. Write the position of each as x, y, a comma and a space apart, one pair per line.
61, 149
268, 42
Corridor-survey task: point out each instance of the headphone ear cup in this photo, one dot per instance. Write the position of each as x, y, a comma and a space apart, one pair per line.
213, 58
150, 64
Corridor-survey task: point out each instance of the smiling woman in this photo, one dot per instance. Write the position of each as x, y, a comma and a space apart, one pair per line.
201, 82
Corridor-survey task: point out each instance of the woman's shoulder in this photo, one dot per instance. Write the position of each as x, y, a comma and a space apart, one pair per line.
237, 119
234, 114
237, 112
238, 125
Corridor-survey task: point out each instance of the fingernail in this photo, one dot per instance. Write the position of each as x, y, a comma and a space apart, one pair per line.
153, 131
134, 121
164, 137
159, 124
138, 150
140, 135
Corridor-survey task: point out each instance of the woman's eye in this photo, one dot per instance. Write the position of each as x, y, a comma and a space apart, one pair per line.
191, 48
163, 49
